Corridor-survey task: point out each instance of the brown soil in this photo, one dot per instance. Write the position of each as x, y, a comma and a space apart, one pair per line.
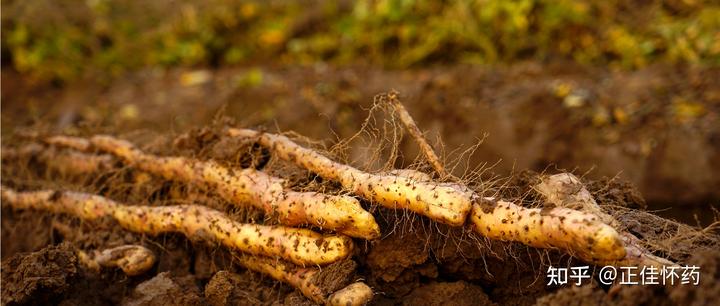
416, 262
38, 277
642, 125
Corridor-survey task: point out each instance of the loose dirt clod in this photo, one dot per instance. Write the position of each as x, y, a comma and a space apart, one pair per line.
455, 293
164, 289
246, 186
300, 246
38, 277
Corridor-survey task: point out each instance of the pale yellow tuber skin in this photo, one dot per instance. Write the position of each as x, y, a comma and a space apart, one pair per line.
579, 233
411, 174
301, 279
356, 294
297, 277
300, 246
339, 213
566, 190
131, 259
447, 203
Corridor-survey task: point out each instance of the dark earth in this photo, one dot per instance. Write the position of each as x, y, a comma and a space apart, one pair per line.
644, 142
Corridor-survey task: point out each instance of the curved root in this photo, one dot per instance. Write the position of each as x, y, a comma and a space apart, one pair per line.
302, 279
132, 259
448, 203
578, 233
340, 213
300, 246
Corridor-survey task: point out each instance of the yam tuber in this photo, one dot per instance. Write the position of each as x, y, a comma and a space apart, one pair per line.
343, 214
300, 246
302, 279
355, 294
132, 259
447, 203
579, 233
576, 232
566, 190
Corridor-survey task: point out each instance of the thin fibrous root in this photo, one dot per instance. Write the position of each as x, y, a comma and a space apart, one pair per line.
566, 190
302, 279
131, 259
581, 234
343, 214
409, 123
300, 246
447, 203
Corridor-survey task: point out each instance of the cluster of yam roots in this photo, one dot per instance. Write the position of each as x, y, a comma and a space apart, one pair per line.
310, 229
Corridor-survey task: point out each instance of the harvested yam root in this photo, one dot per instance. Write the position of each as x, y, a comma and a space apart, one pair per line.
340, 213
132, 259
302, 279
355, 294
566, 190
447, 203
579, 233
300, 246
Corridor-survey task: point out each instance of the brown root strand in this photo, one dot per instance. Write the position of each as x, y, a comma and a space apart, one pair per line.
300, 246
415, 132
343, 214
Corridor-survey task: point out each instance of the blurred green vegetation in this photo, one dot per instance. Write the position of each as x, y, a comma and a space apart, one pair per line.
63, 40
